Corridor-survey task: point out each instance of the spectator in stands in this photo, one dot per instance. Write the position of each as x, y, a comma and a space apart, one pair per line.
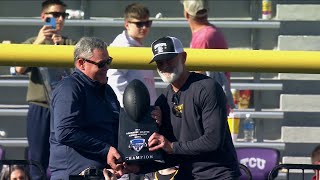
315, 159
85, 115
207, 36
14, 172
38, 118
137, 25
194, 130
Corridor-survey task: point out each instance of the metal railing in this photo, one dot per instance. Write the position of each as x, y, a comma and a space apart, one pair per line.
239, 86
14, 142
288, 167
22, 110
14, 111
23, 142
239, 113
116, 22
275, 145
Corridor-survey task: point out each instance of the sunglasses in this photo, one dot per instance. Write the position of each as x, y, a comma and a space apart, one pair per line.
176, 108
58, 14
140, 24
101, 63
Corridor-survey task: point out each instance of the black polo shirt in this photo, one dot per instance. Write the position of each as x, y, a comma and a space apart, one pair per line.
195, 120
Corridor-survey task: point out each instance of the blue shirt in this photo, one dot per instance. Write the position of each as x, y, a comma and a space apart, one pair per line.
84, 124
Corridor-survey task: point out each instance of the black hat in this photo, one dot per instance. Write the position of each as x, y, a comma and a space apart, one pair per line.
166, 48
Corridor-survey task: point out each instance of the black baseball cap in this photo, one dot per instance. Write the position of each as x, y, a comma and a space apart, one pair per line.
166, 48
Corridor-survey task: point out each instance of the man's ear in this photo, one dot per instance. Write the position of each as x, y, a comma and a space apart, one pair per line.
184, 57
185, 14
43, 16
126, 24
80, 64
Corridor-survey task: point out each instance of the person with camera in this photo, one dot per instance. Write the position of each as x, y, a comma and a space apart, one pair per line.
38, 118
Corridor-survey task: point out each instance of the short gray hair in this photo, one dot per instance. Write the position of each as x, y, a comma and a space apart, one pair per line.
84, 48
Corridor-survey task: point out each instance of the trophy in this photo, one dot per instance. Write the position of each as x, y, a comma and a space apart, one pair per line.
51, 77
136, 125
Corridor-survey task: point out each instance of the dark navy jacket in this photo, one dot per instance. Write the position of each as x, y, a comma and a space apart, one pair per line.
84, 124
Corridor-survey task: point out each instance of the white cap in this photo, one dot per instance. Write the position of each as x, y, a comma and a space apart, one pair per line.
193, 7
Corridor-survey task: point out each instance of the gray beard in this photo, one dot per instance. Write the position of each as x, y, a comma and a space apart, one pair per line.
174, 75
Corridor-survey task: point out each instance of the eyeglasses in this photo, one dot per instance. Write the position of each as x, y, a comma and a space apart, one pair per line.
101, 63
140, 24
176, 108
58, 14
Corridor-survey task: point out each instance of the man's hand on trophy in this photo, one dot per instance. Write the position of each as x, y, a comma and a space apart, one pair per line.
113, 159
157, 141
109, 174
157, 115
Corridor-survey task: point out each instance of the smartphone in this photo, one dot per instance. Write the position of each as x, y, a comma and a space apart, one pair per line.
51, 21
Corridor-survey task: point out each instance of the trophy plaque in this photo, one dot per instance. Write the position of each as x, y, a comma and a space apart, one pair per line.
136, 125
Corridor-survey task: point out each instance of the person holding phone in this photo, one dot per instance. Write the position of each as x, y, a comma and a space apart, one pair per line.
38, 118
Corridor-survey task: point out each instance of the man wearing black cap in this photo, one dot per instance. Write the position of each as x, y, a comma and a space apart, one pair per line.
194, 128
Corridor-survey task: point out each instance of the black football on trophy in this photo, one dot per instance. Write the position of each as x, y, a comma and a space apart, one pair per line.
136, 100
